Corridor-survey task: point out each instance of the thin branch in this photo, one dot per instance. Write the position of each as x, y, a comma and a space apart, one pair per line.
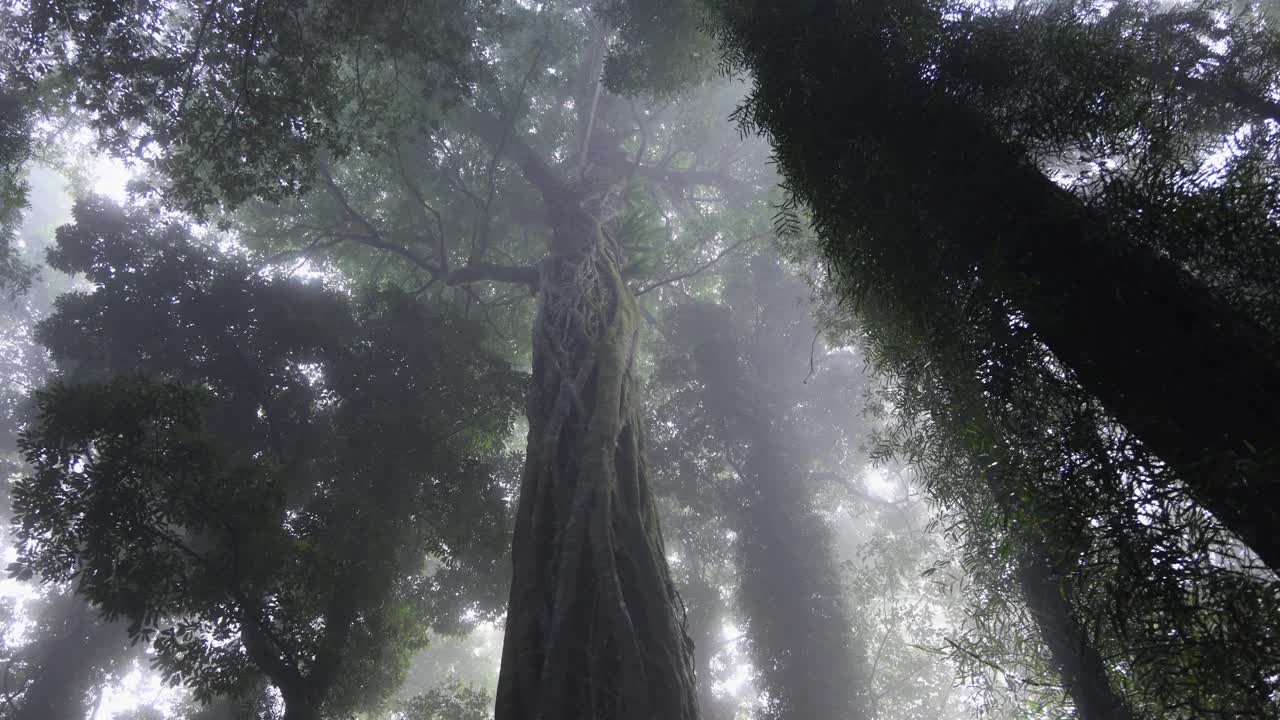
417, 194
321, 242
858, 492
481, 239
374, 238
691, 178
532, 165
701, 268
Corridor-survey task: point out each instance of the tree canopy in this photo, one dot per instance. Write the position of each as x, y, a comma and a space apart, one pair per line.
889, 359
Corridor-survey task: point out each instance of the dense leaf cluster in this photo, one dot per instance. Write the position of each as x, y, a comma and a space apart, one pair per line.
230, 101
15, 149
221, 446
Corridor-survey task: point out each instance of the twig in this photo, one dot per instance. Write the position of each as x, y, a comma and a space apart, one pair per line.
699, 269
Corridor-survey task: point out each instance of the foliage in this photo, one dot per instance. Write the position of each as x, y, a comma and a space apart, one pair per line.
988, 184
888, 120
454, 701
270, 415
64, 657
664, 49
1005, 441
15, 150
228, 100
925, 196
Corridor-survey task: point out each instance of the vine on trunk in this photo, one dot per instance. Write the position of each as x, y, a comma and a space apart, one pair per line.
592, 630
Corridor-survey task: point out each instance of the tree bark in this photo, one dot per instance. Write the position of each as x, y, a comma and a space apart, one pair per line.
868, 144
592, 630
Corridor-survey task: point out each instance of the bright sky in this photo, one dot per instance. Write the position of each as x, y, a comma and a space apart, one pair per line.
109, 178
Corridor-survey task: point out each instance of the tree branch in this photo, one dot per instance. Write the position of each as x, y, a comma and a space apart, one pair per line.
480, 271
535, 169
417, 194
374, 238
697, 270
858, 492
690, 178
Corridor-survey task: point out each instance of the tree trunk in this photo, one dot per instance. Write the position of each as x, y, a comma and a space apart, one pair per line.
1073, 656
300, 710
705, 617
72, 661
868, 144
799, 628
220, 708
1046, 590
592, 630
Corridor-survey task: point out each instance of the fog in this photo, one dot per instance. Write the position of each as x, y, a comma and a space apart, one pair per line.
465, 359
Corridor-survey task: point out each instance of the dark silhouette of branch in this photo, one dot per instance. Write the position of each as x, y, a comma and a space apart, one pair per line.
1221, 90
417, 194
322, 242
374, 238
858, 492
541, 174
480, 241
697, 270
479, 271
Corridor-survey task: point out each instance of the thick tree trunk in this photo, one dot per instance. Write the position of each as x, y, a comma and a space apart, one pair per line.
1077, 661
868, 143
593, 631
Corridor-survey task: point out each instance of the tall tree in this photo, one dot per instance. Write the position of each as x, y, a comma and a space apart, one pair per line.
913, 187
15, 150
748, 360
269, 104
592, 625
587, 532
1122, 583
251, 472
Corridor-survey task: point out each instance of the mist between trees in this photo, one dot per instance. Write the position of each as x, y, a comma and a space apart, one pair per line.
665, 359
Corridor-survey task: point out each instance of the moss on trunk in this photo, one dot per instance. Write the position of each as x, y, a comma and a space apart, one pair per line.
592, 629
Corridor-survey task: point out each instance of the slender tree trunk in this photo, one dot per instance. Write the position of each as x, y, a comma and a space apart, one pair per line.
705, 617
593, 630
868, 143
799, 627
71, 661
1047, 592
1076, 660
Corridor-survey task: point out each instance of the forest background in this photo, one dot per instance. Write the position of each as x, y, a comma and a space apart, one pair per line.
640, 359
